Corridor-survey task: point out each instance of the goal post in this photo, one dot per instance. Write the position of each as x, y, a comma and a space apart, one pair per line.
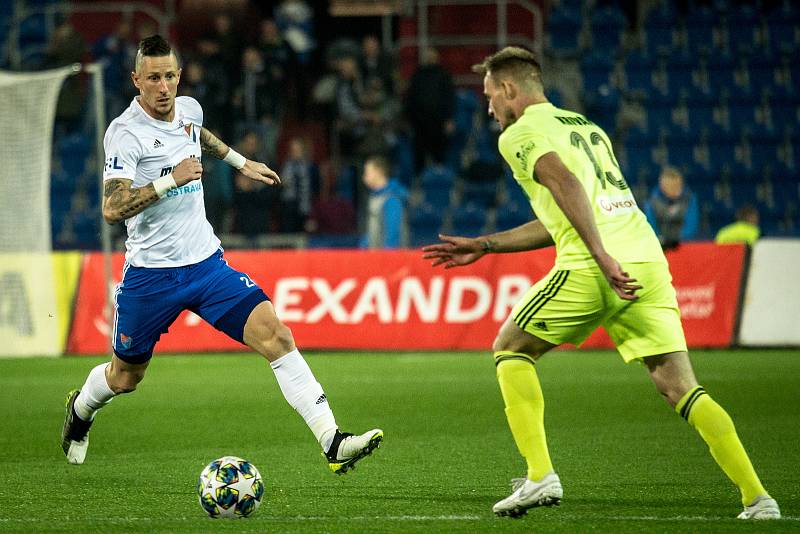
31, 319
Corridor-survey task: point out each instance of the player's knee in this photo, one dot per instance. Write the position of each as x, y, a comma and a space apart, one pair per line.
275, 342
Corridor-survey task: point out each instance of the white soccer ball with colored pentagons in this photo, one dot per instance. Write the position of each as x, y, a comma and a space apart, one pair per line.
230, 487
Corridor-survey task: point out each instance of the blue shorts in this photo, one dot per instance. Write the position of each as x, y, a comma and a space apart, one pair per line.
148, 300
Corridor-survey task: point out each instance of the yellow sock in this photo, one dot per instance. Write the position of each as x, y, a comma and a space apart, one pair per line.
524, 409
716, 428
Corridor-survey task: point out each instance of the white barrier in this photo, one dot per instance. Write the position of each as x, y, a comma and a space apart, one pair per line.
771, 308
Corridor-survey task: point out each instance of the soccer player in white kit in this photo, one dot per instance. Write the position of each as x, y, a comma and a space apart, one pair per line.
174, 261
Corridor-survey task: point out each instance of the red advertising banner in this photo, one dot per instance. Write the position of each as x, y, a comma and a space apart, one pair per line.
394, 300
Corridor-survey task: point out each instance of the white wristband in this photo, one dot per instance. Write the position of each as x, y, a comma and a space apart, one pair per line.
234, 159
164, 184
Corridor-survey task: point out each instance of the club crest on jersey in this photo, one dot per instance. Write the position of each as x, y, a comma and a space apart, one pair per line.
189, 129
125, 341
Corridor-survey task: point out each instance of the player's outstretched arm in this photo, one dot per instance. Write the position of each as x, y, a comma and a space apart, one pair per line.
252, 169
571, 198
458, 251
121, 201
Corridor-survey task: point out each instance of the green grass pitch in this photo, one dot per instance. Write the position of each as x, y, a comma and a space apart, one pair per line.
627, 462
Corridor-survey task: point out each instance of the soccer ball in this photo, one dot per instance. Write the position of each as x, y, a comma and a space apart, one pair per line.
230, 487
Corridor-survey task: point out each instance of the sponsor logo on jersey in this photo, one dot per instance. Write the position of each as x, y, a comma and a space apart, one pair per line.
158, 144
322, 398
540, 325
191, 187
523, 154
616, 205
113, 163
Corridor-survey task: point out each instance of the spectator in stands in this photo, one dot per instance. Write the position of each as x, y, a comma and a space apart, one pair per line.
300, 188
375, 63
115, 52
672, 210
218, 193
229, 42
278, 61
386, 225
744, 230
349, 118
253, 200
429, 107
66, 47
255, 98
217, 107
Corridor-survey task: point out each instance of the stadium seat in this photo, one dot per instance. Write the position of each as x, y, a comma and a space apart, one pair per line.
563, 30
659, 27
468, 219
425, 222
700, 29
403, 159
639, 67
744, 23
511, 216
596, 68
607, 25
33, 30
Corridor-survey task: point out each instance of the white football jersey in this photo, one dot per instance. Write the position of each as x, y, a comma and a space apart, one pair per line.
173, 231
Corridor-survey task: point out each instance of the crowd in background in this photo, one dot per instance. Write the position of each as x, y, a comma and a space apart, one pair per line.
316, 110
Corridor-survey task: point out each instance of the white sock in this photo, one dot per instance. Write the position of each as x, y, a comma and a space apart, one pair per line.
304, 394
94, 394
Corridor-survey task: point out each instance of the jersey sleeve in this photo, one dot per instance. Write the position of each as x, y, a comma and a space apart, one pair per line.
123, 151
521, 148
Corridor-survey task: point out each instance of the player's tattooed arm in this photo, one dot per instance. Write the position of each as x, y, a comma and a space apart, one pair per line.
210, 143
121, 201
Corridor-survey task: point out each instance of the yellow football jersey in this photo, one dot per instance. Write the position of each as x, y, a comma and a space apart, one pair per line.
586, 151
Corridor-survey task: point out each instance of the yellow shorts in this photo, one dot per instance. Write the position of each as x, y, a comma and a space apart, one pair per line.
567, 306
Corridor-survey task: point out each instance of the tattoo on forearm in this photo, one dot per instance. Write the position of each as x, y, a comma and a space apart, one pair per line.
123, 201
211, 144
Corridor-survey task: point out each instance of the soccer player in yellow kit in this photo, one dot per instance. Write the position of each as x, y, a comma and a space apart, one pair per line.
609, 271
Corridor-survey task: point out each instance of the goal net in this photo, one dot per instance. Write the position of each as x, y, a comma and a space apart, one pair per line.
28, 316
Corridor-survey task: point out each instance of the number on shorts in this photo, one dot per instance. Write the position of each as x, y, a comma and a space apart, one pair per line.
247, 281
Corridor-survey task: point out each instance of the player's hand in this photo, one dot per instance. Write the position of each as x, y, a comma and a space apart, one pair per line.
260, 173
187, 170
454, 251
623, 285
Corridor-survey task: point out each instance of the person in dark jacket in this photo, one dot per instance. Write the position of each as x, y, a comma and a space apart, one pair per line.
672, 209
429, 106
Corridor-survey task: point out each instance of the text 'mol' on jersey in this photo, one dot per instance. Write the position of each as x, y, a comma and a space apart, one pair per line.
586, 151
174, 231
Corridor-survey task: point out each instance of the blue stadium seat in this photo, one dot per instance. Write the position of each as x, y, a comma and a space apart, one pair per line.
468, 219
33, 30
743, 22
483, 193
596, 68
511, 216
782, 35
639, 67
699, 29
563, 30
607, 25
436, 175
741, 116
425, 222
659, 27
403, 159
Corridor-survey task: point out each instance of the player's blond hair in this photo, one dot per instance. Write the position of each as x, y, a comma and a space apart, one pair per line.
512, 62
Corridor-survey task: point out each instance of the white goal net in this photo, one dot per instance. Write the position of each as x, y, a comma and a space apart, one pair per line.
28, 316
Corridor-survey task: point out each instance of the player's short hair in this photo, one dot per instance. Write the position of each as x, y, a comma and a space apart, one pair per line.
746, 212
381, 162
153, 46
513, 62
